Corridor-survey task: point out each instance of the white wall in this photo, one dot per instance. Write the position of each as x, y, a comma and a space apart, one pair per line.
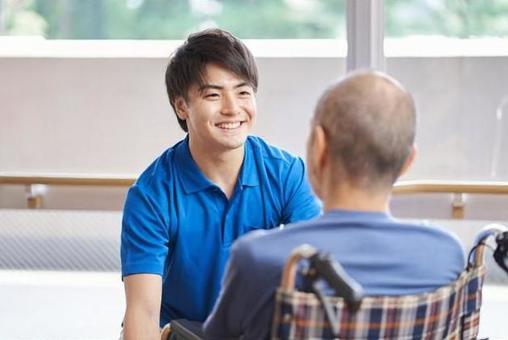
112, 115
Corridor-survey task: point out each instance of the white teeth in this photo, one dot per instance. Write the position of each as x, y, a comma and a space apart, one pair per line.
233, 125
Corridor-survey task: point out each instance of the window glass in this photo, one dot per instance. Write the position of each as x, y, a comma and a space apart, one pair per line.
457, 70
172, 19
451, 18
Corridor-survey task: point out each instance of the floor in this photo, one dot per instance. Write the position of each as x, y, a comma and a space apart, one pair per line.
73, 305
60, 305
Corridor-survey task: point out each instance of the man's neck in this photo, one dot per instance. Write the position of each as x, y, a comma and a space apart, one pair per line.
354, 199
220, 167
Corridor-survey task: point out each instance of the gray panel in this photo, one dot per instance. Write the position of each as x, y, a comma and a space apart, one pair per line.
60, 240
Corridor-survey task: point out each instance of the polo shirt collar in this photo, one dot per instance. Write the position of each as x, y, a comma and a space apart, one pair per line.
193, 180
353, 215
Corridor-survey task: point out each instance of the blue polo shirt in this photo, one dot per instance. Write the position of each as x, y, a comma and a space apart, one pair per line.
180, 225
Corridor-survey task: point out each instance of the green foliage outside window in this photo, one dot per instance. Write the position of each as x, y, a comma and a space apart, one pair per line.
260, 19
173, 19
453, 18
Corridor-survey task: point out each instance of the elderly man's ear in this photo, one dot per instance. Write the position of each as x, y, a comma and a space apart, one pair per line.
409, 160
317, 157
319, 148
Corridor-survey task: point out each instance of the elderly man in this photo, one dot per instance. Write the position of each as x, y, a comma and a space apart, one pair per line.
361, 141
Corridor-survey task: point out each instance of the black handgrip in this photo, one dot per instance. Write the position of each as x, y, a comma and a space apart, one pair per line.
501, 252
331, 271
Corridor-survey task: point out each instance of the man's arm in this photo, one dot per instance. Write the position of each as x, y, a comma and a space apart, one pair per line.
143, 252
300, 202
143, 296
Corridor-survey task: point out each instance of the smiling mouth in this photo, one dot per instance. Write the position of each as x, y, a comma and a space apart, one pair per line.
229, 125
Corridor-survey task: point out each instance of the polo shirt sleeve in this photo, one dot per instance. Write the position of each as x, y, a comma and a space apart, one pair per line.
301, 203
144, 239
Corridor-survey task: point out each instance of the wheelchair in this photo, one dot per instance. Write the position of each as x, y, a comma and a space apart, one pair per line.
450, 312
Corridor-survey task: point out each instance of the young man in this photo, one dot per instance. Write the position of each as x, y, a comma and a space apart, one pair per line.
200, 195
361, 142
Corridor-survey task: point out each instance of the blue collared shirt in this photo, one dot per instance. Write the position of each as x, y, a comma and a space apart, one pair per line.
384, 255
180, 225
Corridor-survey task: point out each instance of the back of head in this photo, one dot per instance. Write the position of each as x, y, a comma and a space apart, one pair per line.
187, 65
369, 120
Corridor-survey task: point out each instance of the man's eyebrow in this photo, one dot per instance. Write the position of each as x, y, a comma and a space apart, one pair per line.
218, 87
242, 85
205, 87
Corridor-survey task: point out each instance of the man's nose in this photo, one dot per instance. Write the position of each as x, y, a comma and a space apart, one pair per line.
230, 105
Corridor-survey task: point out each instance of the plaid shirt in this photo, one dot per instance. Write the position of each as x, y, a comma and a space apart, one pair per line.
450, 312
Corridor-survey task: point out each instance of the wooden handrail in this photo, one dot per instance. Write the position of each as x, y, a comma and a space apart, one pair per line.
402, 187
68, 179
457, 187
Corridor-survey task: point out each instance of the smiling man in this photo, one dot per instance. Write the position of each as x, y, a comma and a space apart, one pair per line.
191, 203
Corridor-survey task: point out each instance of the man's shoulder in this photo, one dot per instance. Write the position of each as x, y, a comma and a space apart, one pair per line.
442, 240
270, 152
246, 246
272, 247
451, 240
436, 231
256, 248
159, 171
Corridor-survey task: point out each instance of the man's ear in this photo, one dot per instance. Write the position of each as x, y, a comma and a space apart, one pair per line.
181, 108
409, 160
316, 148
320, 149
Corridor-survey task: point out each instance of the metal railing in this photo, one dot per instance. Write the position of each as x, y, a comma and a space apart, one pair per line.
457, 188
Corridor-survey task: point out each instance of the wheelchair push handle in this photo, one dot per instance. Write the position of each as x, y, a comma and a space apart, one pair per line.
323, 266
501, 252
500, 233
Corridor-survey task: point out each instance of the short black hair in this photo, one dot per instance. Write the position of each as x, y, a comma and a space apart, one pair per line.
211, 46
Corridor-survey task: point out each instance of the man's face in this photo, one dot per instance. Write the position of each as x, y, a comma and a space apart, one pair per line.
221, 112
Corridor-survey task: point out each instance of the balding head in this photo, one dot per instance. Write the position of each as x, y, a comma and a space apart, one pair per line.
369, 120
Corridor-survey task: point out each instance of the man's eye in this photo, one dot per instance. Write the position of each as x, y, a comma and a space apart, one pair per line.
245, 93
212, 95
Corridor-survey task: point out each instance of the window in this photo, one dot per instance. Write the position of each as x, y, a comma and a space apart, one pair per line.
172, 19
450, 18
